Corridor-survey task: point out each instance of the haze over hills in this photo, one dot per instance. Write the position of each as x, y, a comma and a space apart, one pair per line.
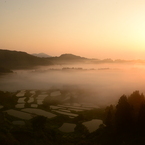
22, 60
71, 58
41, 55
68, 58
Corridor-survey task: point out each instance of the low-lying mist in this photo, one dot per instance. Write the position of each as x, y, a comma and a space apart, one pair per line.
104, 84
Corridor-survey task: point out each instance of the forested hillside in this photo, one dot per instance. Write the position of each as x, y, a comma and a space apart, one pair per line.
18, 60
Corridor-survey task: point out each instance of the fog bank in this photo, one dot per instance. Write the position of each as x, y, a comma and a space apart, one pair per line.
102, 85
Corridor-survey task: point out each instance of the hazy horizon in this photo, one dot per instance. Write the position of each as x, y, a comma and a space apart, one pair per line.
49, 55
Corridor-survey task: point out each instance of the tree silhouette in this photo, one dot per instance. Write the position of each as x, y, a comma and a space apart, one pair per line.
109, 116
141, 119
135, 99
123, 118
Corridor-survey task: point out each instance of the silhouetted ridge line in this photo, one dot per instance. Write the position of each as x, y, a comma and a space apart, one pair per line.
19, 60
71, 56
41, 55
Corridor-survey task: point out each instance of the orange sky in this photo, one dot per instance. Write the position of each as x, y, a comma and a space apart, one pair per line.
90, 28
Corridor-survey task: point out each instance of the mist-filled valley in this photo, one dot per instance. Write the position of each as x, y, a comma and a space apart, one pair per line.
102, 83
76, 104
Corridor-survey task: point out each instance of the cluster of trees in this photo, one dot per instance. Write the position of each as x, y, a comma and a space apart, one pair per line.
126, 121
5, 70
7, 99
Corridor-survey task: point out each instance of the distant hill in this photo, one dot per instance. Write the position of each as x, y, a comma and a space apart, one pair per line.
5, 70
68, 58
41, 55
19, 60
71, 58
22, 60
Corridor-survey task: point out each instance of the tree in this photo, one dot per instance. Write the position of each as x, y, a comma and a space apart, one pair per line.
136, 100
109, 116
141, 119
123, 118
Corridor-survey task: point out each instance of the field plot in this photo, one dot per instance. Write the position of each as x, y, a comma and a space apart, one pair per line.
20, 106
39, 112
93, 124
19, 114
21, 93
67, 127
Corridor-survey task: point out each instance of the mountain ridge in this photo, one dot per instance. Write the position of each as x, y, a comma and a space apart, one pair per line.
22, 60
19, 60
41, 55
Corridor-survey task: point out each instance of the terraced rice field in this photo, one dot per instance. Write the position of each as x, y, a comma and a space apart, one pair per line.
35, 100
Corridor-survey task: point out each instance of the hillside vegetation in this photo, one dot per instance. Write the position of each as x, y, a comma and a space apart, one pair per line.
19, 60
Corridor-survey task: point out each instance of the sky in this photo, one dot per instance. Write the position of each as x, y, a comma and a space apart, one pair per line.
90, 28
